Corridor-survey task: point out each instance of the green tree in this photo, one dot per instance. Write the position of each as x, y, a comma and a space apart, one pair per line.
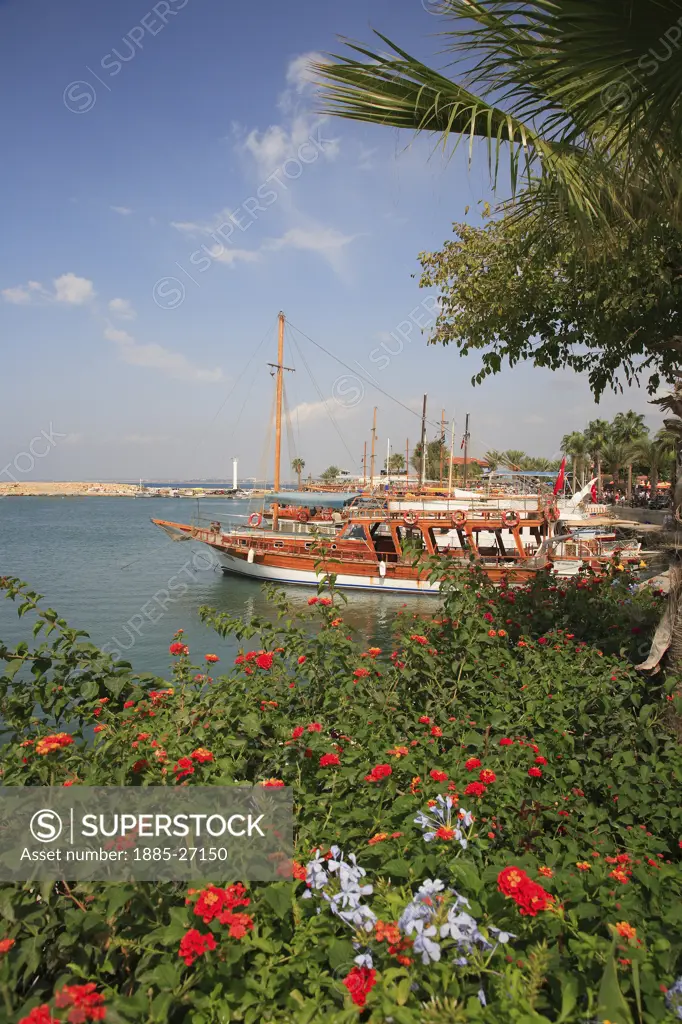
330, 474
493, 458
654, 454
598, 436
513, 458
628, 427
298, 465
575, 447
396, 463
434, 449
592, 134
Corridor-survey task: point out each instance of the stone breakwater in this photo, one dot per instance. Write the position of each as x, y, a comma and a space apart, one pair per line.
70, 489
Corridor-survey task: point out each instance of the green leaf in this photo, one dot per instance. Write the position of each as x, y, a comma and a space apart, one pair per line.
279, 897
612, 1005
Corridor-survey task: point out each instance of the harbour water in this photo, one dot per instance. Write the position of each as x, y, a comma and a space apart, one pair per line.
103, 566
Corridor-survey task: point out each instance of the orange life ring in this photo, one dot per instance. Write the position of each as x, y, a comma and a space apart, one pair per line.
551, 513
303, 516
510, 517
459, 517
326, 516
255, 519
410, 518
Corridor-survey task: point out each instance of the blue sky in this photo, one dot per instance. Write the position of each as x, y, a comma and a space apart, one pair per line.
135, 131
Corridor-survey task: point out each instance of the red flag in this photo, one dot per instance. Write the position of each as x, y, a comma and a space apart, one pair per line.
593, 494
561, 479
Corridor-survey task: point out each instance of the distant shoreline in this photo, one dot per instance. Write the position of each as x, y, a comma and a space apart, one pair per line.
90, 489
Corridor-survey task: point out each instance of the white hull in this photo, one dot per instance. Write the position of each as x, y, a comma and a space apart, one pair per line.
304, 577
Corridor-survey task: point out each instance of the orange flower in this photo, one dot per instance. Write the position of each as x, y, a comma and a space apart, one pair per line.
272, 783
492, 632
50, 743
211, 658
547, 872
625, 930
502, 632
583, 865
6, 945
373, 651
336, 622
387, 932
398, 752
378, 838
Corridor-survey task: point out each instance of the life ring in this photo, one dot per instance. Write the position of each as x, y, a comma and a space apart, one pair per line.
255, 519
344, 513
459, 517
551, 513
326, 516
410, 518
303, 516
510, 517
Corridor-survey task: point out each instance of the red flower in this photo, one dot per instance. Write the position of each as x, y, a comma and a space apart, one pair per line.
87, 1003
211, 658
329, 760
419, 639
140, 765
380, 771
214, 901
325, 601
529, 896
297, 732
272, 784
425, 720
314, 727
48, 744
264, 660
488, 617
360, 982
472, 764
312, 600
445, 833
194, 944
183, 767
505, 742
474, 789
487, 776
438, 776
129, 704
541, 760
201, 754
40, 1015
238, 924
301, 659
436, 730
99, 728
360, 673
535, 773
178, 648
6, 945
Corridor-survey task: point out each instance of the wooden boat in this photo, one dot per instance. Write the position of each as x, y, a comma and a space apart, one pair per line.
378, 548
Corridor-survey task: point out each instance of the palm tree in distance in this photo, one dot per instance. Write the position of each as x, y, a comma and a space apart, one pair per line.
512, 458
598, 435
298, 465
629, 427
493, 458
575, 447
655, 454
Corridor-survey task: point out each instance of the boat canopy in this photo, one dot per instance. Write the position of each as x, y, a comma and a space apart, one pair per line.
327, 499
545, 474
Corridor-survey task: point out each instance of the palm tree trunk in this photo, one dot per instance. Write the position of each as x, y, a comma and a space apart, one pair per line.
653, 480
298, 474
575, 472
629, 481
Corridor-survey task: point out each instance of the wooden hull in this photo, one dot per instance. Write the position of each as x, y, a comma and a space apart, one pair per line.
252, 555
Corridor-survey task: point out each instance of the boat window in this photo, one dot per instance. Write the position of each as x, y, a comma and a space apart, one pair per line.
279, 543
355, 532
333, 547
308, 546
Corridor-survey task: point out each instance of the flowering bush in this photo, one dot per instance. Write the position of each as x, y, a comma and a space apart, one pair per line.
488, 821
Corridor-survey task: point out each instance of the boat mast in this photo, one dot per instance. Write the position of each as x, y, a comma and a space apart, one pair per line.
278, 417
422, 468
374, 437
466, 448
407, 462
388, 460
442, 442
364, 466
452, 455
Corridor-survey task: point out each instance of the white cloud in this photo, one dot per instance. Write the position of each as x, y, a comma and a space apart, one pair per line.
322, 239
299, 75
230, 256
122, 308
156, 357
72, 290
308, 412
18, 296
69, 289
125, 211
300, 136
